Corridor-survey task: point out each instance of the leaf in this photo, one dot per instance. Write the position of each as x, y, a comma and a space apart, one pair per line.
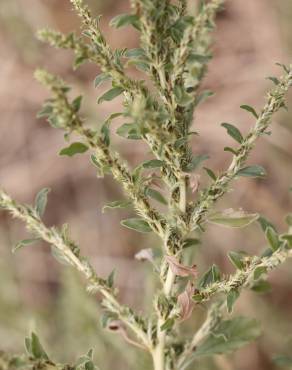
110, 279
232, 296
153, 163
210, 173
231, 218
250, 109
34, 348
129, 131
273, 238
137, 224
76, 103
179, 269
275, 80
182, 97
157, 196
110, 94
228, 149
24, 243
282, 360
236, 259
259, 271
195, 162
212, 275
229, 336
184, 300
233, 132
167, 325
135, 53
116, 204
99, 79
261, 286
41, 201
252, 171
265, 223
59, 256
74, 148
287, 238
123, 20
190, 242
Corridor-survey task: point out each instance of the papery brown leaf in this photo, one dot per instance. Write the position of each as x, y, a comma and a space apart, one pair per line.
179, 269
185, 302
194, 182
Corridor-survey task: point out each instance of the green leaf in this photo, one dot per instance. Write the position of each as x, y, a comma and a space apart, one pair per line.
59, 256
230, 218
282, 360
110, 279
153, 163
210, 173
236, 258
34, 348
135, 53
231, 150
195, 162
182, 97
190, 242
167, 325
76, 103
100, 79
287, 238
232, 296
116, 204
41, 201
24, 243
275, 80
265, 223
233, 132
250, 109
137, 224
273, 238
129, 131
259, 271
252, 171
229, 336
154, 194
74, 148
261, 286
123, 20
110, 94
210, 276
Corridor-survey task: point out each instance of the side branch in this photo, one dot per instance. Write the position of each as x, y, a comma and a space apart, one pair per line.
246, 277
68, 119
275, 101
71, 254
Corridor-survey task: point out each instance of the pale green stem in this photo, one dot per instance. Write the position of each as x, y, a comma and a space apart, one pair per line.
158, 351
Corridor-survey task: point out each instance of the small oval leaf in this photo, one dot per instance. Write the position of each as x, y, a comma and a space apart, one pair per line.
137, 224
74, 148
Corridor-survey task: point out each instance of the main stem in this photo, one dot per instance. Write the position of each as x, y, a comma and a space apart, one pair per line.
158, 352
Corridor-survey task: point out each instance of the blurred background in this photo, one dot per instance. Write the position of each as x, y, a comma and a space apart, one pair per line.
37, 293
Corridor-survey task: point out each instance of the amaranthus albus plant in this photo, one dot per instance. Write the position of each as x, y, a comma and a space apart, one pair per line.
174, 53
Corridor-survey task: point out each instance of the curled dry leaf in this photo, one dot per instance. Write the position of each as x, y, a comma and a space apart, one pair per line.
179, 269
185, 302
194, 182
145, 255
119, 327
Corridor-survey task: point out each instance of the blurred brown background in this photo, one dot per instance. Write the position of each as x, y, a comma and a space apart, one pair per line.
35, 293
